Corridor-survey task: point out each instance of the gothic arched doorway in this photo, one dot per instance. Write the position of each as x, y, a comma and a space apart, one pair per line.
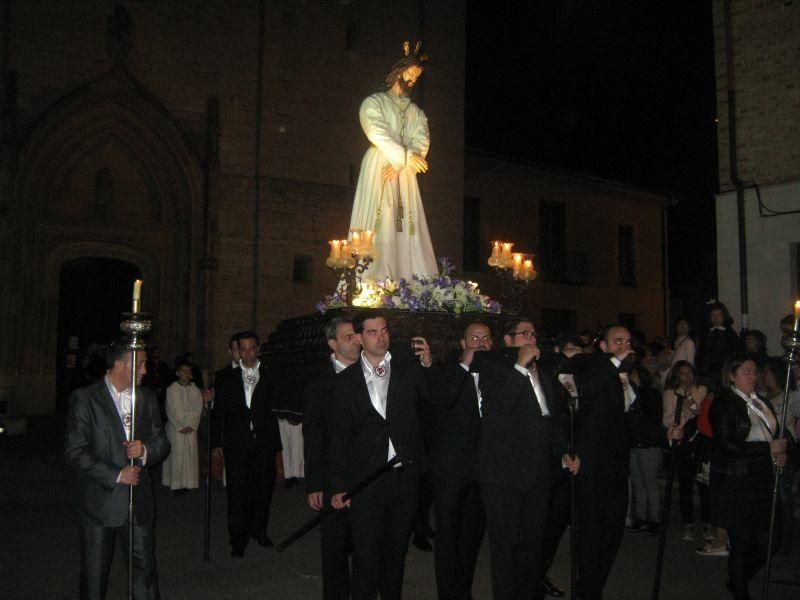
92, 294
105, 172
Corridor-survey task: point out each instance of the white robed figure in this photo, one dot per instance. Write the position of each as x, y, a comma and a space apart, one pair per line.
387, 199
184, 406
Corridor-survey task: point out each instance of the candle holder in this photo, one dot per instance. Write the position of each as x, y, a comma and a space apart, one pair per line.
511, 289
137, 326
791, 343
349, 259
515, 271
350, 278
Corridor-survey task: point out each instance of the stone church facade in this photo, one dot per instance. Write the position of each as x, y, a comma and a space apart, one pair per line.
209, 146
212, 148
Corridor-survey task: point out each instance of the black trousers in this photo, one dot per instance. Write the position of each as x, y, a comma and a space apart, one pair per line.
460, 525
515, 520
602, 506
381, 519
747, 555
558, 518
250, 478
335, 546
97, 551
686, 467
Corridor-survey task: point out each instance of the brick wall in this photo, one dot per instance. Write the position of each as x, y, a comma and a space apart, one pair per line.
766, 65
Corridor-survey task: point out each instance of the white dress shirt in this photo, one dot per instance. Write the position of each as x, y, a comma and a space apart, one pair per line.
475, 380
378, 388
533, 377
762, 421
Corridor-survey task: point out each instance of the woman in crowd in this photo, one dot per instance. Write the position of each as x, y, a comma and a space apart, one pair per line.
745, 448
716, 545
755, 344
681, 384
716, 344
645, 460
683, 347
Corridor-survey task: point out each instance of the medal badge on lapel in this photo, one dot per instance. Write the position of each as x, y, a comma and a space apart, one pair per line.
380, 371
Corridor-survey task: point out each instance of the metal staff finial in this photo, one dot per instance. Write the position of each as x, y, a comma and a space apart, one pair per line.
136, 325
790, 343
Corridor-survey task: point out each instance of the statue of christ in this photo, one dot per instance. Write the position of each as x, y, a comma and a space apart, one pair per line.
387, 199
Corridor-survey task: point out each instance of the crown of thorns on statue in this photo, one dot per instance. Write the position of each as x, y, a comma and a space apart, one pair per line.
410, 59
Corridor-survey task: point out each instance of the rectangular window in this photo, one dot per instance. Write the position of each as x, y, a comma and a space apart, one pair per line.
552, 233
625, 255
473, 247
302, 268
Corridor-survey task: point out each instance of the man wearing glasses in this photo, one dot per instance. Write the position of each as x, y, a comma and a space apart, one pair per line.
460, 518
519, 446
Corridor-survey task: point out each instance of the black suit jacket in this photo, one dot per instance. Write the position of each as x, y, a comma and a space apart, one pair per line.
518, 445
456, 429
317, 411
603, 430
221, 375
94, 450
230, 418
360, 436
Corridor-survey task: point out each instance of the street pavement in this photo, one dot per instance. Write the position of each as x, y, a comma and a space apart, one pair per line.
39, 548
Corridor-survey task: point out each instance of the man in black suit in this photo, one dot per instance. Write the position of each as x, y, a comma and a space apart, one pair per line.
376, 418
242, 424
604, 421
460, 518
559, 509
318, 396
97, 447
518, 446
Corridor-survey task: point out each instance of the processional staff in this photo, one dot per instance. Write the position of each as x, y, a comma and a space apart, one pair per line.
662, 537
791, 343
568, 382
136, 325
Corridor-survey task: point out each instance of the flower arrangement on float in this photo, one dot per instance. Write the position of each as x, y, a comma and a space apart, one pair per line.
440, 293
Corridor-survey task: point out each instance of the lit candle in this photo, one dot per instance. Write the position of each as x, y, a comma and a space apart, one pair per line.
505, 257
334, 255
527, 269
494, 259
137, 295
344, 254
517, 258
797, 316
356, 240
367, 248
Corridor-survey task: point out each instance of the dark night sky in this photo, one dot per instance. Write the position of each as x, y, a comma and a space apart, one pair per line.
621, 91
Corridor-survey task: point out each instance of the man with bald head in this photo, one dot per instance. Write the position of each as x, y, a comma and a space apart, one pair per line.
605, 421
460, 517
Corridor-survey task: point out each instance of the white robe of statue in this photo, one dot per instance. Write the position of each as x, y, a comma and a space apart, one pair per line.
184, 406
396, 127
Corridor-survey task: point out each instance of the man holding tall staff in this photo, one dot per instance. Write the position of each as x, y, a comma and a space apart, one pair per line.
99, 450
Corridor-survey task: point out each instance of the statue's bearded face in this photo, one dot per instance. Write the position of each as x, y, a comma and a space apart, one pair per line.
408, 79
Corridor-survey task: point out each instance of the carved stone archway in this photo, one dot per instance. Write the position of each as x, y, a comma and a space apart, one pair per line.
105, 172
